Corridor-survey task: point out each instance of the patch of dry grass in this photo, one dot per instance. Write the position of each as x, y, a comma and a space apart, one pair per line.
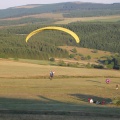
12, 69
60, 88
62, 20
67, 90
60, 95
43, 15
90, 19
86, 52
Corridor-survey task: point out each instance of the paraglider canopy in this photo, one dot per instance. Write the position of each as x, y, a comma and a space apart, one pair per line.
54, 28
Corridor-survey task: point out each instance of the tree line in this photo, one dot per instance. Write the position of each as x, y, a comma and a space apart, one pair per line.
96, 35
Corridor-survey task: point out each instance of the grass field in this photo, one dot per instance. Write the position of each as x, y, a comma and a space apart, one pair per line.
27, 92
14, 69
86, 52
62, 20
90, 19
67, 97
65, 90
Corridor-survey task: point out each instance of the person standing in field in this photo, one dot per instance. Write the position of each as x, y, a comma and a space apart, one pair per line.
117, 87
51, 75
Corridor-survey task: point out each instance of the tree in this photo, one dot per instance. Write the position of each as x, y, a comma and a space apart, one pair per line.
88, 57
116, 63
71, 55
52, 59
61, 63
74, 50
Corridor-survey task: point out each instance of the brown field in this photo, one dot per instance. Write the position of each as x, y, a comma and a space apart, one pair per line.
88, 19
24, 92
86, 52
62, 20
43, 15
12, 69
27, 6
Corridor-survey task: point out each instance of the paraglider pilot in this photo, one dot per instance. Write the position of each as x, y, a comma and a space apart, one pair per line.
51, 75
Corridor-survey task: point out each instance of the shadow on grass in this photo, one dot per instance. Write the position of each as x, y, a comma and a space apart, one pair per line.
13, 103
85, 97
40, 104
46, 106
93, 81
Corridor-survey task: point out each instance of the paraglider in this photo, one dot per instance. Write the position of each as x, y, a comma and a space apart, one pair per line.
53, 28
74, 35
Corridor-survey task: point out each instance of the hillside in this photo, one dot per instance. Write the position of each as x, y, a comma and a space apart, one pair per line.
86, 52
81, 69
69, 9
97, 25
98, 36
59, 13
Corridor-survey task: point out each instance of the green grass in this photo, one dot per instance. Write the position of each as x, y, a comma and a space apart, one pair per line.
16, 69
68, 91
65, 97
39, 62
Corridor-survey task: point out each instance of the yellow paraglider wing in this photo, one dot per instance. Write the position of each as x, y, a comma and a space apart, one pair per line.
54, 28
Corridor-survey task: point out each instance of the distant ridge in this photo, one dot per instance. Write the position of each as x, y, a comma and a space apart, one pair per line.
27, 6
72, 9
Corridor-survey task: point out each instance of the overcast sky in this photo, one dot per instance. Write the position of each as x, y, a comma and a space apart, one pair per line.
12, 3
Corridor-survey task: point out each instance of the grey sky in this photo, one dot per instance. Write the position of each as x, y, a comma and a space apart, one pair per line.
12, 3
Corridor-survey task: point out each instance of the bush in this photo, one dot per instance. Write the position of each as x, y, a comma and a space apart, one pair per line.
62, 63
88, 65
3, 56
110, 66
52, 59
74, 50
116, 101
71, 55
72, 64
98, 66
88, 57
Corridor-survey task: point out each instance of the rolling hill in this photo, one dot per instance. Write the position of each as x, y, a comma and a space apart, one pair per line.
80, 69
97, 25
68, 9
